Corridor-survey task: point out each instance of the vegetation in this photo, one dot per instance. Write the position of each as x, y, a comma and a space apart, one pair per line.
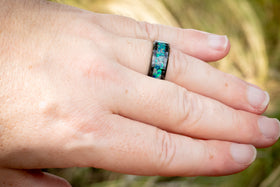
253, 27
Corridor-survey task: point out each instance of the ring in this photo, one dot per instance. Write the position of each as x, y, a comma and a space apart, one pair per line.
159, 60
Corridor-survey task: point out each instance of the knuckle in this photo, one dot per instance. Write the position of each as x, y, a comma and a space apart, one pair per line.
138, 27
149, 30
243, 128
179, 65
100, 37
165, 150
89, 31
100, 70
51, 110
184, 107
204, 155
138, 59
190, 109
95, 69
181, 35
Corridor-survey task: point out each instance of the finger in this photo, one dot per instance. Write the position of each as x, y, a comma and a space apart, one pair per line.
173, 108
9, 177
132, 147
194, 75
202, 45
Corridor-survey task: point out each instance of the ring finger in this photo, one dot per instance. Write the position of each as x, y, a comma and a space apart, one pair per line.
194, 75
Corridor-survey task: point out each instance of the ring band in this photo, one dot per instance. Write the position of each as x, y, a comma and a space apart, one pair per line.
159, 60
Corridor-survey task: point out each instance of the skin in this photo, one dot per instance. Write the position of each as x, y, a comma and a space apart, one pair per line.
74, 93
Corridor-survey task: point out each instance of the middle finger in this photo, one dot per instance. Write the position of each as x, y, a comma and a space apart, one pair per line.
173, 108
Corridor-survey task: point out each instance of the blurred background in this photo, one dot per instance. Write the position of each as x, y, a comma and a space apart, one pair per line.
253, 27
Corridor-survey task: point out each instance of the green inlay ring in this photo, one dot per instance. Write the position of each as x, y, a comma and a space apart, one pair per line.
159, 60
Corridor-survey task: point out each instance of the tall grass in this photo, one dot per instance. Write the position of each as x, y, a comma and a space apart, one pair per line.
253, 30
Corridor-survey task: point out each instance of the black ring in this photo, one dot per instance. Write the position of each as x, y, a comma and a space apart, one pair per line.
159, 60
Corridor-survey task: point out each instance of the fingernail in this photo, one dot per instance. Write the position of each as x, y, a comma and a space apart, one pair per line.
243, 154
217, 42
257, 98
269, 127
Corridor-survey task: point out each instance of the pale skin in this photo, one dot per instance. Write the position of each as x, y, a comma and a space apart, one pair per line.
74, 93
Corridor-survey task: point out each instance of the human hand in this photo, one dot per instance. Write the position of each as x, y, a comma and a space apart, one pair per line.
74, 92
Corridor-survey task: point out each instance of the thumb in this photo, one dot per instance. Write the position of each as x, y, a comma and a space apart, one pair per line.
30, 178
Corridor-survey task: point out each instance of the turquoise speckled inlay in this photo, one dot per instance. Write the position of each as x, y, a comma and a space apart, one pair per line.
159, 59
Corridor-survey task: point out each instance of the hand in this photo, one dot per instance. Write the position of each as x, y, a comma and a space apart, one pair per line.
74, 92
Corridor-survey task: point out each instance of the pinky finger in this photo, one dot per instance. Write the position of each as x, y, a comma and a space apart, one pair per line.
136, 148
